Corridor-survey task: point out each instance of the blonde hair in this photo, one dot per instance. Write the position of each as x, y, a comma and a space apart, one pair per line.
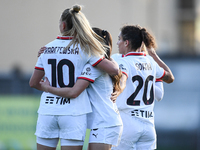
78, 26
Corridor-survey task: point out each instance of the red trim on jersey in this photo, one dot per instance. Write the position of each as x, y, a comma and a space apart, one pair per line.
162, 75
98, 62
65, 37
158, 80
125, 73
122, 55
134, 54
39, 68
84, 78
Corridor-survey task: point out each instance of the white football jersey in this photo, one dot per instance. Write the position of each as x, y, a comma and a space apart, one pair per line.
159, 90
138, 97
117, 56
62, 67
104, 113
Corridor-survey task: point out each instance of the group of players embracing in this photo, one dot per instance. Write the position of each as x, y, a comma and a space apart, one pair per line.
113, 96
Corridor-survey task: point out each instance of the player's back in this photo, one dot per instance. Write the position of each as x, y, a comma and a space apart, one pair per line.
62, 67
138, 94
99, 91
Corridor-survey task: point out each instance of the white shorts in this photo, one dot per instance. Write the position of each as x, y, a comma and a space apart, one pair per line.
137, 134
110, 135
63, 127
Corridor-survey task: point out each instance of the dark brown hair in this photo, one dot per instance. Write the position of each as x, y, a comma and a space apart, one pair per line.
108, 41
136, 35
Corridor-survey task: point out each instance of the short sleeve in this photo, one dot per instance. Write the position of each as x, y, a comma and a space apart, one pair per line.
160, 72
94, 61
39, 64
89, 73
123, 66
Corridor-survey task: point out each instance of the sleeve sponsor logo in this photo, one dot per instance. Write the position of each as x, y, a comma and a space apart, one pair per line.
87, 72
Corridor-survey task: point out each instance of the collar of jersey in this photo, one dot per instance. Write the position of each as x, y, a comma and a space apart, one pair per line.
135, 54
64, 37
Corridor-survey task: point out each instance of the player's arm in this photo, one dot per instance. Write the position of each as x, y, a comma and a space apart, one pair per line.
109, 66
35, 79
159, 90
168, 76
72, 92
115, 94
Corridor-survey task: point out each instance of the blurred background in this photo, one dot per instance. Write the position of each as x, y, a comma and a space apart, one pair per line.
26, 26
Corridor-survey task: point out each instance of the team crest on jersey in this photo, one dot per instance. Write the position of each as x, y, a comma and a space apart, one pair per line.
87, 72
88, 69
121, 66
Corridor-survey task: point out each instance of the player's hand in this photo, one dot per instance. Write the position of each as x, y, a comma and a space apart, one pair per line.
151, 51
114, 96
41, 51
45, 84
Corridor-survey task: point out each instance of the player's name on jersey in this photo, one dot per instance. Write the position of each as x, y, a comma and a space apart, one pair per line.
57, 100
142, 113
143, 66
61, 50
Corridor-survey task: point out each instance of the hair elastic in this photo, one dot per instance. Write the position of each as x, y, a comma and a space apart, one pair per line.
104, 32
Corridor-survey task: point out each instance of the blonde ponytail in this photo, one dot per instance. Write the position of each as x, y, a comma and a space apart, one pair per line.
83, 34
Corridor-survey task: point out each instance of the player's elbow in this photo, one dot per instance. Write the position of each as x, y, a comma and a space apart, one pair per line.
168, 78
72, 95
32, 84
172, 79
114, 71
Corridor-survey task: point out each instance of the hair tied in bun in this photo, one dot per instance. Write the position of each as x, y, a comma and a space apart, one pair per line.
76, 8
104, 32
143, 29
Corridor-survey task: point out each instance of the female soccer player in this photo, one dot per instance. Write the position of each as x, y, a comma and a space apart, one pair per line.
62, 62
136, 102
104, 121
